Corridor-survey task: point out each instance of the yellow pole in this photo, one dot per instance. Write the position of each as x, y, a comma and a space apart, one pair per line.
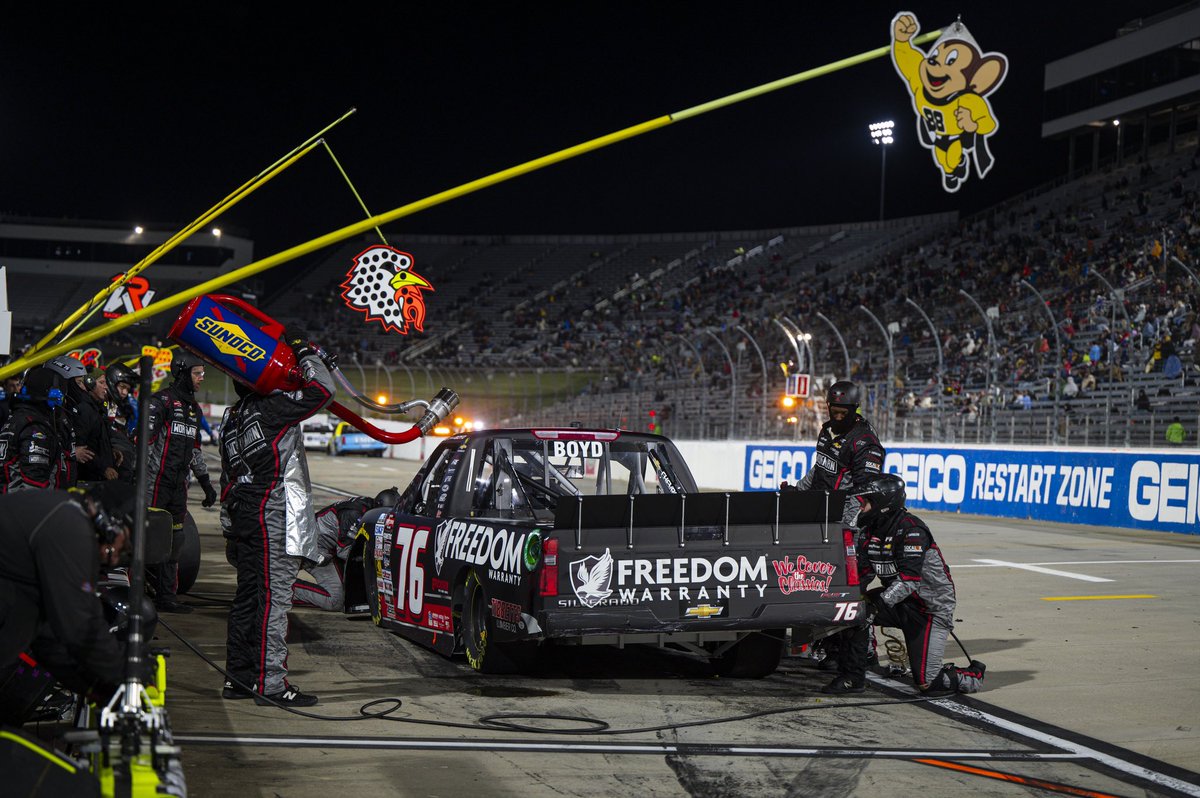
358, 228
236, 196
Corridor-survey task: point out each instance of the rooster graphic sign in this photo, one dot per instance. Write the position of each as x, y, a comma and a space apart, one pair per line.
382, 285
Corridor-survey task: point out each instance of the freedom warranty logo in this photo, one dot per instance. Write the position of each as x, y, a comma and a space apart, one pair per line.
591, 579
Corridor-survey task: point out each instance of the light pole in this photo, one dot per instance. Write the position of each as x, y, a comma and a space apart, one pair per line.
732, 380
762, 361
989, 376
941, 366
1057, 351
891, 377
805, 339
881, 136
842, 341
1120, 144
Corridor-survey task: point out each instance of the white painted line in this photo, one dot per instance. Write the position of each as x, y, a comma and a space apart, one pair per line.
1079, 562
389, 469
1040, 570
1187, 788
566, 746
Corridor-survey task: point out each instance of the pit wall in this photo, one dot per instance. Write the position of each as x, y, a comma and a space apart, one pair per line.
1136, 489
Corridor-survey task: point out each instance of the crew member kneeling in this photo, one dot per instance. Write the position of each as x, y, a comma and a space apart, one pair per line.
917, 595
54, 543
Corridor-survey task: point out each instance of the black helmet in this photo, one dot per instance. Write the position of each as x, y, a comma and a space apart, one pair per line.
43, 384
388, 498
886, 494
117, 601
182, 363
119, 372
115, 502
843, 392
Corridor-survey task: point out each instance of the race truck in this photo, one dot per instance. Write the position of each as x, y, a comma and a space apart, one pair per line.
508, 540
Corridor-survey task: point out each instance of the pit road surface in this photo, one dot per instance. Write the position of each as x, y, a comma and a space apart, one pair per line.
1090, 636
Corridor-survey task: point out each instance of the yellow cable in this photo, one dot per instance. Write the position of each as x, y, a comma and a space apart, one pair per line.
433, 200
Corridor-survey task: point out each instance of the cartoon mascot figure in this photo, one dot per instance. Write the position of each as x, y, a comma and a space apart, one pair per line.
949, 86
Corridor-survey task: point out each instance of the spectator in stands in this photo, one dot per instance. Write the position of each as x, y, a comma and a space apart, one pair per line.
1142, 402
1176, 434
1172, 366
1071, 388
1088, 383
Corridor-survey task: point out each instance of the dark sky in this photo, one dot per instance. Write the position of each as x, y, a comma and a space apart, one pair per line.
112, 111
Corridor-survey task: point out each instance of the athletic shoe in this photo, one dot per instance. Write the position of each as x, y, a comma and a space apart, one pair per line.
171, 605
289, 697
232, 692
844, 684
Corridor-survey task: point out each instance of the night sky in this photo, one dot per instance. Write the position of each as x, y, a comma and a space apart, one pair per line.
154, 115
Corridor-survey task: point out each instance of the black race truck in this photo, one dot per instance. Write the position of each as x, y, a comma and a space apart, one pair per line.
512, 539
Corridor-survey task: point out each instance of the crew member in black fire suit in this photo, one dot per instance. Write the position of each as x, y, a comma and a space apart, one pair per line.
73, 371
54, 544
848, 453
917, 595
121, 382
336, 525
267, 513
173, 427
32, 449
91, 427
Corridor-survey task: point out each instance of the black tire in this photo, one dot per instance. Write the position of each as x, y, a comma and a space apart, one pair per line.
755, 656
371, 582
189, 555
484, 654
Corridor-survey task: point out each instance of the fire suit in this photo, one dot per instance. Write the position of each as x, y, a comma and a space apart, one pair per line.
37, 449
48, 604
90, 420
267, 512
173, 420
845, 460
335, 533
917, 597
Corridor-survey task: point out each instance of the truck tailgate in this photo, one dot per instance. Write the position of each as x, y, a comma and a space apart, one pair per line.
700, 561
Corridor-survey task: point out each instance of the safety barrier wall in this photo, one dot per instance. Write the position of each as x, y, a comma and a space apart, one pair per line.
1136, 489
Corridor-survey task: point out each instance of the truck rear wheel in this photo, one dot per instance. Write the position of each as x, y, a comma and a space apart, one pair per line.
484, 654
371, 582
189, 555
756, 655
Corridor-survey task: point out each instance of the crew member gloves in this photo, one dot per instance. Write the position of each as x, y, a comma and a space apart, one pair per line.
210, 494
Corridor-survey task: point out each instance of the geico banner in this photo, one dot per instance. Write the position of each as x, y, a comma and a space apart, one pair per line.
1158, 490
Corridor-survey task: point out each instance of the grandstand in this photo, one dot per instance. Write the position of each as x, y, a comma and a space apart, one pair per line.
649, 320
1040, 320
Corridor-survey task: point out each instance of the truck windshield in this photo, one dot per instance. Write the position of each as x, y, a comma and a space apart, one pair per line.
555, 468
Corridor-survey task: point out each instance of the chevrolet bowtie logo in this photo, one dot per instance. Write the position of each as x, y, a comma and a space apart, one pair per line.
703, 611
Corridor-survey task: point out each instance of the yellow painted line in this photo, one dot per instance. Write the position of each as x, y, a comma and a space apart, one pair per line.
1097, 598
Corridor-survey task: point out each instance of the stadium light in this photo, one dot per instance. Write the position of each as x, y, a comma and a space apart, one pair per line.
216, 231
881, 135
138, 229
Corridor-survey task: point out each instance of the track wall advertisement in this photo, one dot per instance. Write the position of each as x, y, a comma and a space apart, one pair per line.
1137, 489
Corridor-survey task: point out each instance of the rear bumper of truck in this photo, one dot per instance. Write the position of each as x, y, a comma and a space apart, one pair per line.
622, 621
